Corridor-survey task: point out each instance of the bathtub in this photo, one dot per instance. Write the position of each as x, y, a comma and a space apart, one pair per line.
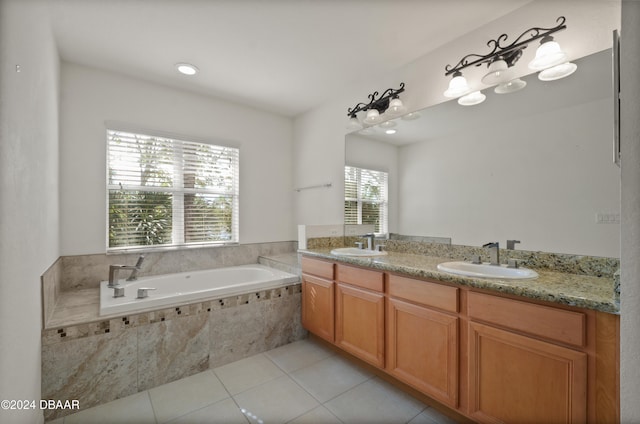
185, 287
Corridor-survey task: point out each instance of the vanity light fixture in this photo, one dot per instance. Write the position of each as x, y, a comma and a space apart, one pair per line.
187, 68
549, 59
379, 108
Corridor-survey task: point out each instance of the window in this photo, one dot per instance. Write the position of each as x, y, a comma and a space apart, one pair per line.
365, 197
167, 192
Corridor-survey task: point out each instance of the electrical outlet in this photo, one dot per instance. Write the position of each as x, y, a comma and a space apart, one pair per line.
607, 218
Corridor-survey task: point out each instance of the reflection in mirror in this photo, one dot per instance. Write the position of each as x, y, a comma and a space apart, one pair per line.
534, 165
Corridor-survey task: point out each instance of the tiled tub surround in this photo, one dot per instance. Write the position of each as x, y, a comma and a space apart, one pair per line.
582, 281
95, 360
71, 278
105, 360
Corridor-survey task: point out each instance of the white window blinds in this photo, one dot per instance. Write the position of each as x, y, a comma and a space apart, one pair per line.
366, 197
167, 192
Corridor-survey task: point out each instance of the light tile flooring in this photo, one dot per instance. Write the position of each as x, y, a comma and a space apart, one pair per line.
302, 382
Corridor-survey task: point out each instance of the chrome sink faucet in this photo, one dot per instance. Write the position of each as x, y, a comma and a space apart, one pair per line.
511, 244
370, 240
494, 252
114, 269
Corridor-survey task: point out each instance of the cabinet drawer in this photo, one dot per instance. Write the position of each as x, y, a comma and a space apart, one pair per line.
555, 324
317, 267
372, 280
429, 294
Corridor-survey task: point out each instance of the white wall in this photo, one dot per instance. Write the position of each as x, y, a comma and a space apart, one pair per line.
540, 179
630, 243
29, 241
89, 97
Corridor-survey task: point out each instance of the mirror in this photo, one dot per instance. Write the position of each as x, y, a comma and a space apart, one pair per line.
534, 166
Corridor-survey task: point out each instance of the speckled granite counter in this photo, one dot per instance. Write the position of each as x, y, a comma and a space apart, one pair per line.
582, 291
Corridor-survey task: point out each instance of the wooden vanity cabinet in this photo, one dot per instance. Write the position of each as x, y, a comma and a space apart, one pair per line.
422, 337
490, 357
520, 369
318, 292
359, 313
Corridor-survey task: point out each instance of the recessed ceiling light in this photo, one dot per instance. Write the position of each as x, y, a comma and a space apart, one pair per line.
186, 68
390, 131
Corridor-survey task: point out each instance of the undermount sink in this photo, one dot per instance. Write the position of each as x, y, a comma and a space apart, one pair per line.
486, 270
354, 251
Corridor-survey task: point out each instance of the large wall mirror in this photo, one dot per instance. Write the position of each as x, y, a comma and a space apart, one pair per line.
534, 165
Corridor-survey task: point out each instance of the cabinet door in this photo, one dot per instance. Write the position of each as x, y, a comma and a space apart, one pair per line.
317, 306
360, 323
517, 379
422, 349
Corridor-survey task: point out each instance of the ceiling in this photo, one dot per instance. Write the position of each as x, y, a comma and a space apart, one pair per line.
285, 56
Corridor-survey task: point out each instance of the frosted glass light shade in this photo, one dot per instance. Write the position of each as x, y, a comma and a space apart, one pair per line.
411, 116
548, 54
373, 117
388, 124
354, 124
472, 99
396, 107
557, 72
499, 72
510, 86
457, 86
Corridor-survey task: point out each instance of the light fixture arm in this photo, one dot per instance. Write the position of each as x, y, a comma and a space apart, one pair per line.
379, 103
510, 53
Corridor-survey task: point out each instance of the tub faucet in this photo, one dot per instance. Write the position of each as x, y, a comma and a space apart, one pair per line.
134, 273
113, 272
494, 252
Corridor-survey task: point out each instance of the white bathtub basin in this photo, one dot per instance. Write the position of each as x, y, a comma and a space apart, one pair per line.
179, 288
354, 251
486, 270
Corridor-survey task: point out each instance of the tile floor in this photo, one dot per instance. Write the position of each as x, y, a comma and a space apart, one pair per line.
302, 382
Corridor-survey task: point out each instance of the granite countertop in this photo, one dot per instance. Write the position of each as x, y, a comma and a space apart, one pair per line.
582, 291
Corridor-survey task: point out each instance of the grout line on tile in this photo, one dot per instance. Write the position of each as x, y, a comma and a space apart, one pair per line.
420, 412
